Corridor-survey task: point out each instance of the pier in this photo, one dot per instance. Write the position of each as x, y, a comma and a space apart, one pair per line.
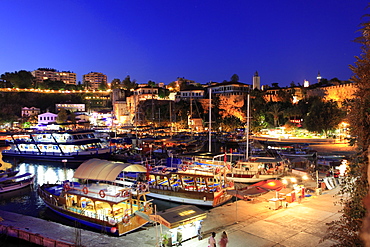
248, 223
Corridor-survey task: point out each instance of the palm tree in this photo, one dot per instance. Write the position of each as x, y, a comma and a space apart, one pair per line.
275, 112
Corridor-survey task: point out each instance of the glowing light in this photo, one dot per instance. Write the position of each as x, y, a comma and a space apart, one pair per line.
271, 183
284, 181
188, 212
293, 180
304, 177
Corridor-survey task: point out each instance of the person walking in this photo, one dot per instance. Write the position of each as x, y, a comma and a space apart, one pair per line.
212, 240
224, 240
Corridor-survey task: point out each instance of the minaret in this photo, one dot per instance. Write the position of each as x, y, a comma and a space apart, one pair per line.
256, 81
318, 77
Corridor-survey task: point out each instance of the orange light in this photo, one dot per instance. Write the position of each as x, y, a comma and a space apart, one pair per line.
271, 183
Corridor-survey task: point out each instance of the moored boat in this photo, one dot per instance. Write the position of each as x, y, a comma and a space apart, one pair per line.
257, 169
71, 146
16, 182
194, 184
102, 203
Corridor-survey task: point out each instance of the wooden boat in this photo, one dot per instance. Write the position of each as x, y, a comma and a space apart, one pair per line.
72, 146
190, 184
257, 189
16, 182
8, 173
257, 169
102, 203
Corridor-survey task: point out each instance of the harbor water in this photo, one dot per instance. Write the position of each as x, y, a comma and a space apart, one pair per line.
27, 202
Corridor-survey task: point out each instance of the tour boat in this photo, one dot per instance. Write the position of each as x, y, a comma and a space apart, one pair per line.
257, 169
10, 183
196, 184
103, 203
67, 146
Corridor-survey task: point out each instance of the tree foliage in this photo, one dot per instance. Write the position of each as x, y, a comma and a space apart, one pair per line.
353, 228
323, 116
62, 116
234, 78
19, 79
128, 84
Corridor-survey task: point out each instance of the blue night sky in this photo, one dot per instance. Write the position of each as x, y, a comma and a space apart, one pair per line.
204, 41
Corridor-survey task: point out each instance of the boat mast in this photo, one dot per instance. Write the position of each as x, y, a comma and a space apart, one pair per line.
247, 130
210, 120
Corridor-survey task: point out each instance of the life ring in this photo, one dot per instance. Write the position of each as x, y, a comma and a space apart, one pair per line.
217, 170
164, 170
143, 187
184, 168
126, 193
102, 193
228, 166
85, 190
126, 219
66, 186
231, 184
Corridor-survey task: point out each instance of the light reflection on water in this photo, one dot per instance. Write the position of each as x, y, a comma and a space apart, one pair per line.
26, 201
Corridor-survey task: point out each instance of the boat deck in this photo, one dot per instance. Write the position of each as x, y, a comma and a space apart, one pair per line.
99, 191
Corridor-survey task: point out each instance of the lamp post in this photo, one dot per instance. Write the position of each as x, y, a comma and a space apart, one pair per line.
65, 170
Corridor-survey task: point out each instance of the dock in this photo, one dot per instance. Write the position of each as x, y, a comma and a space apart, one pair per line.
248, 223
52, 234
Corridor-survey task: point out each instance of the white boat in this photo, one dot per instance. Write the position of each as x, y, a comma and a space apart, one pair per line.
257, 169
67, 146
16, 182
103, 202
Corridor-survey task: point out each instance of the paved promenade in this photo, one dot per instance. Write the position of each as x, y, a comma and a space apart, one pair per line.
248, 223
254, 224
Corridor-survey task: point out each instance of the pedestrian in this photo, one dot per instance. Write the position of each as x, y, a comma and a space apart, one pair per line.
212, 240
224, 240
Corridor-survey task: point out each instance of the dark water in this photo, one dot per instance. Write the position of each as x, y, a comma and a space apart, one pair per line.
27, 202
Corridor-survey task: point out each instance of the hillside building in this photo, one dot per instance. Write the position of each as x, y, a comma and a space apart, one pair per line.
43, 74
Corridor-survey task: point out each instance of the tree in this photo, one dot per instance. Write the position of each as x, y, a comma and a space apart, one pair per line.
103, 86
115, 83
323, 116
128, 84
353, 227
62, 116
234, 78
19, 79
275, 111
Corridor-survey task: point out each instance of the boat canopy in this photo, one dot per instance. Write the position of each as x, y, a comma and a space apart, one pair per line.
105, 170
179, 216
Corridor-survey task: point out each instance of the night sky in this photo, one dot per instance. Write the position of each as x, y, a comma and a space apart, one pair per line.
204, 41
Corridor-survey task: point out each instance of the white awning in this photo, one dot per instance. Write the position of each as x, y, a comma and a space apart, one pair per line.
105, 170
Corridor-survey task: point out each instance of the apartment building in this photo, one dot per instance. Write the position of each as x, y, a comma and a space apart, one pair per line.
42, 74
93, 80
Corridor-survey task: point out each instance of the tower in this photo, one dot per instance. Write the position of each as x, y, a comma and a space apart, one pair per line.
256, 81
318, 77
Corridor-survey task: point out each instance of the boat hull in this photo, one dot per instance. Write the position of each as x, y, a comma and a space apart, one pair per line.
16, 185
55, 157
205, 199
57, 203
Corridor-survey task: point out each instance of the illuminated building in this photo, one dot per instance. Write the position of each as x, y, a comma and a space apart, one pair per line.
70, 107
42, 74
256, 81
94, 79
47, 118
29, 112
